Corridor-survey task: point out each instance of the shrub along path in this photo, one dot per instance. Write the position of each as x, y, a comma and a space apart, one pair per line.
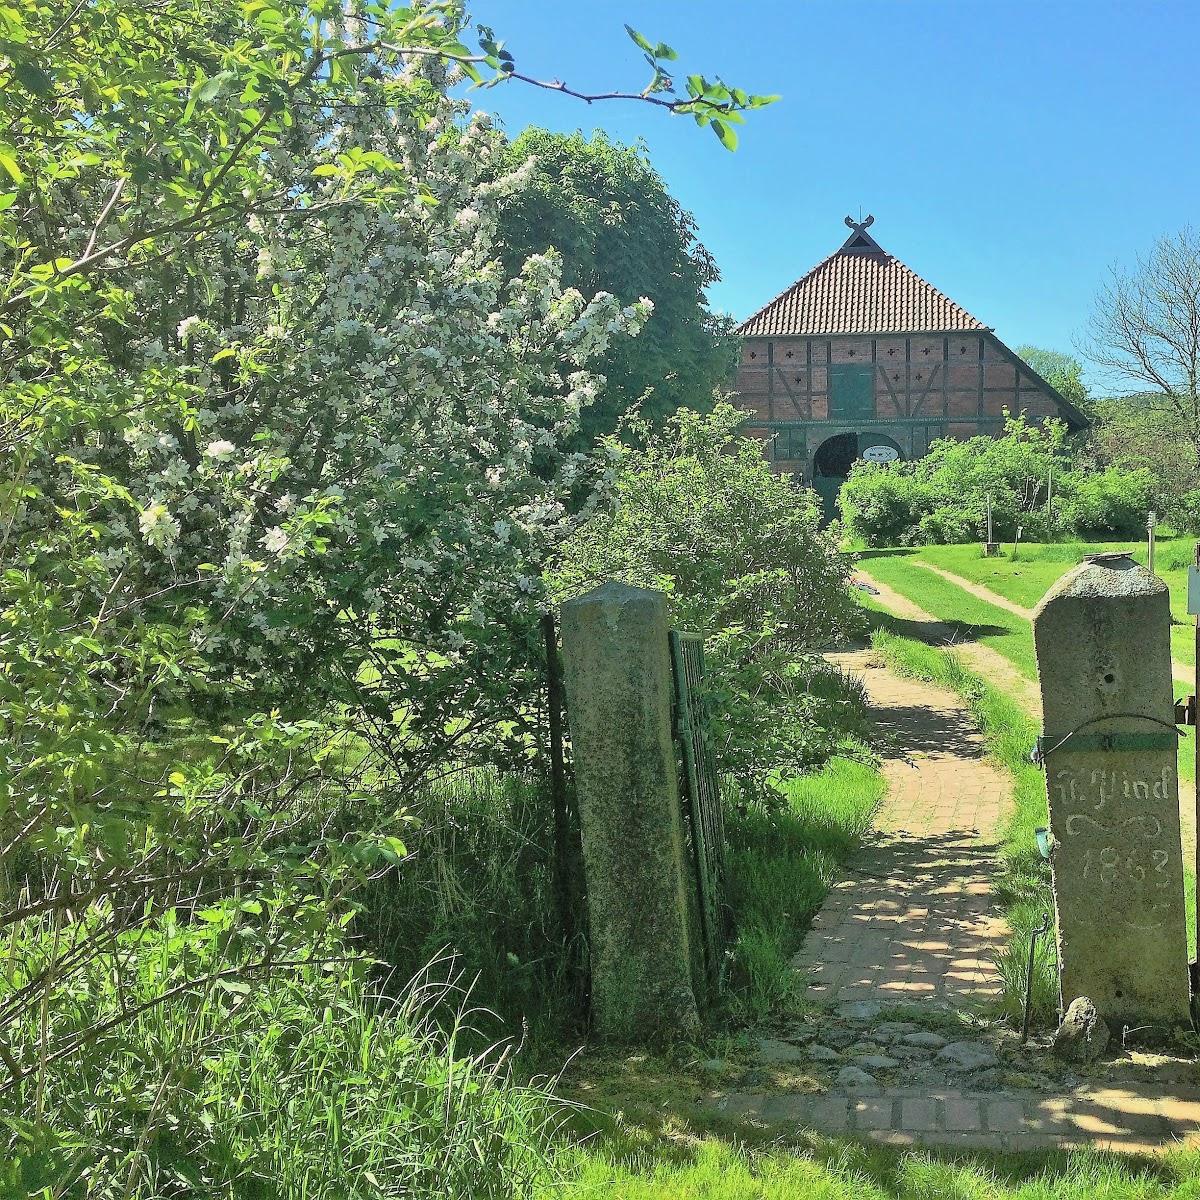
901, 960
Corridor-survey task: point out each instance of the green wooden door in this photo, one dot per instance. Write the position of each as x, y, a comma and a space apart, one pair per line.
827, 487
851, 392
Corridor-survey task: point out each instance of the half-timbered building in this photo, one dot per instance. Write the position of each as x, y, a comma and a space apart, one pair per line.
862, 358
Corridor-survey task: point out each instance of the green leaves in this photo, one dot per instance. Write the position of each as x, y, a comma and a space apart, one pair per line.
654, 51
726, 134
8, 163
206, 91
33, 79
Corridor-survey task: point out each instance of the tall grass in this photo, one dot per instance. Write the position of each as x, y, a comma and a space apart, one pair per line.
782, 858
479, 885
304, 1085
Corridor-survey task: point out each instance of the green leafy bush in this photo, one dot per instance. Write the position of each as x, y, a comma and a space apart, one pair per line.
284, 452
1186, 514
1113, 502
1029, 475
740, 553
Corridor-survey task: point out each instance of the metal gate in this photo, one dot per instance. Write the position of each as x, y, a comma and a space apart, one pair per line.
701, 800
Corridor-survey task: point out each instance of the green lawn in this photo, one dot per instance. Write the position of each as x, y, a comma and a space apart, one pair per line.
978, 621
975, 620
832, 1169
1026, 579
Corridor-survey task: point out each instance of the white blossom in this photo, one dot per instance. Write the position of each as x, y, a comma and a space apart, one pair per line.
276, 541
158, 527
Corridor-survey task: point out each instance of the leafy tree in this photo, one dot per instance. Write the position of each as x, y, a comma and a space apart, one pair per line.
608, 213
1145, 328
1061, 371
1144, 431
697, 512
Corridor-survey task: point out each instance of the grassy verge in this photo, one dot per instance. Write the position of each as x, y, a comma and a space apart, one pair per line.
782, 858
1025, 579
976, 620
826, 1169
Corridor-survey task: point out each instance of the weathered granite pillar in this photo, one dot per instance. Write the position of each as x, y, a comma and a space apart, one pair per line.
619, 692
1102, 635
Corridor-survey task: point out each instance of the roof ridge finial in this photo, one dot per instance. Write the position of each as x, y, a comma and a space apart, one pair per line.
860, 226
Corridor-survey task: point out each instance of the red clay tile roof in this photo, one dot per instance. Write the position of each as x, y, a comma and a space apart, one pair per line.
857, 291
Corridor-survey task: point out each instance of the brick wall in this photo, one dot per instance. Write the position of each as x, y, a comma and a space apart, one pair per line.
926, 386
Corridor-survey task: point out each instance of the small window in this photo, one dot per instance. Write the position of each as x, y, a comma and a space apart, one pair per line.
851, 391
791, 443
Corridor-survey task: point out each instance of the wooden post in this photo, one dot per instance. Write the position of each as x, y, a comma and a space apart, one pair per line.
989, 546
1151, 521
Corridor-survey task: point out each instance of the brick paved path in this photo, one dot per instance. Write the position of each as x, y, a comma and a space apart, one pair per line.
914, 925
1135, 1119
915, 918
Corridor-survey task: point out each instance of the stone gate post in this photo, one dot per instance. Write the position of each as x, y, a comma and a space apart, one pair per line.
1102, 635
619, 692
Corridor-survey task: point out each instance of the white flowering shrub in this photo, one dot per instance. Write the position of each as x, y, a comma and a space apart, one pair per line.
368, 465
283, 457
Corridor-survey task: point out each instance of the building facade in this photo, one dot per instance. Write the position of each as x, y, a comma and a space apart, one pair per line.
863, 359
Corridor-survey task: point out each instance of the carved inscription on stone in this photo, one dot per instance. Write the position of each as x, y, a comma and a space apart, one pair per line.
1118, 848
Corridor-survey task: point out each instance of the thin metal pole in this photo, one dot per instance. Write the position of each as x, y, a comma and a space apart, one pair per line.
1033, 940
683, 728
564, 893
1196, 739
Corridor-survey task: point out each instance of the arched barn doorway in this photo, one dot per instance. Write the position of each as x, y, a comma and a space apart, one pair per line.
836, 455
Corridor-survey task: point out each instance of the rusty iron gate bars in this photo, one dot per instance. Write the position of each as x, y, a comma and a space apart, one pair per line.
701, 798
568, 883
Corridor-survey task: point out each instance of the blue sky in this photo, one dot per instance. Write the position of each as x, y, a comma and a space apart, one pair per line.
1010, 152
